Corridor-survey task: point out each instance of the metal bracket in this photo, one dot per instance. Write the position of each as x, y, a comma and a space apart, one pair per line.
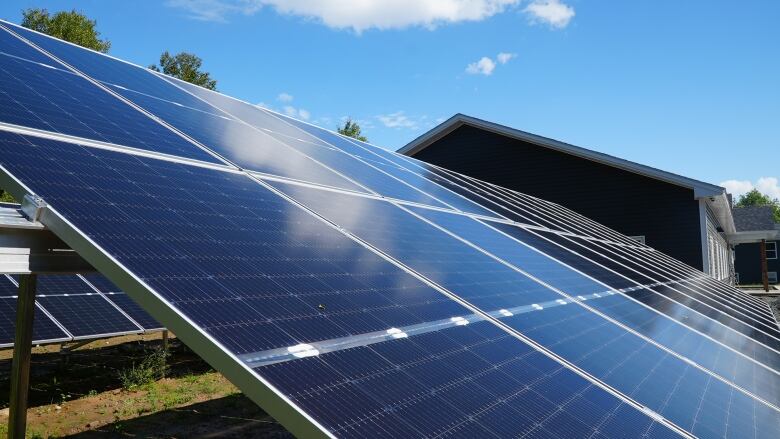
27, 246
33, 207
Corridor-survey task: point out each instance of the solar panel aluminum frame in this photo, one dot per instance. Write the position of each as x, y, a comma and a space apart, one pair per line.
265, 395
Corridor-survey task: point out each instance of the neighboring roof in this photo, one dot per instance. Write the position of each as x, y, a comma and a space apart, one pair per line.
715, 196
754, 218
701, 189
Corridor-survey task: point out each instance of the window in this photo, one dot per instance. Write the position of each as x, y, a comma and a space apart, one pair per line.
771, 250
772, 275
639, 238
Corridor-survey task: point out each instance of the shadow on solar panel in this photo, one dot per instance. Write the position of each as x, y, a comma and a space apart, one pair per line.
354, 292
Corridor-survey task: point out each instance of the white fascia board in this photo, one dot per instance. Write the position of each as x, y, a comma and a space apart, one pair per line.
748, 237
721, 208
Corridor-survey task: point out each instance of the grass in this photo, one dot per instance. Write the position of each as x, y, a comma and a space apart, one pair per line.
130, 387
151, 368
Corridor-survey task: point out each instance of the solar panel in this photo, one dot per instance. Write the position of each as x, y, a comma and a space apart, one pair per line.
390, 298
45, 329
80, 311
84, 312
122, 301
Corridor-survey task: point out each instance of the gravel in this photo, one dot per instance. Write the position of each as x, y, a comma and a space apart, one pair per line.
774, 303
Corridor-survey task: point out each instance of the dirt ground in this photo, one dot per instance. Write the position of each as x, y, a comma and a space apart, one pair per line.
80, 395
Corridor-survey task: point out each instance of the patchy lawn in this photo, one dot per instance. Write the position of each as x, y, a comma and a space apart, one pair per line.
81, 395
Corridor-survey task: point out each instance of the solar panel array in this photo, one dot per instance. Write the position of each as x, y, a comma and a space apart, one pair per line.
74, 308
354, 292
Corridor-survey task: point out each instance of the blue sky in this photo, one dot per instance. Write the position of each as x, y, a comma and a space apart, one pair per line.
691, 87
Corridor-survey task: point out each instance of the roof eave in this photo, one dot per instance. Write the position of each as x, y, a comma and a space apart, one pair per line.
701, 189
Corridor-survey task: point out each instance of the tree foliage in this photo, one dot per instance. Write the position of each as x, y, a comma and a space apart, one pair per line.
70, 26
352, 129
185, 66
756, 198
6, 197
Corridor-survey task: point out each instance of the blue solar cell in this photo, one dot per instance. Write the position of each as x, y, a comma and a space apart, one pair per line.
110, 70
680, 292
417, 181
233, 244
279, 133
671, 299
245, 265
132, 309
570, 330
236, 141
123, 301
14, 47
79, 308
725, 299
671, 333
461, 392
49, 99
44, 328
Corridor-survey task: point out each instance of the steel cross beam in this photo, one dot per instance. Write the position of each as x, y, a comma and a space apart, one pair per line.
26, 246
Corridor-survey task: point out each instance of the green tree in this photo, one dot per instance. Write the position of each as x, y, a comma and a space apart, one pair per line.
352, 129
756, 198
6, 197
185, 66
70, 26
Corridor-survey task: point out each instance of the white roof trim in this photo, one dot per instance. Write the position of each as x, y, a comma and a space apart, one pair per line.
701, 190
753, 236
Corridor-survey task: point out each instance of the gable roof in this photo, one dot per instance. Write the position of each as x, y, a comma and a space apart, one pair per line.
701, 189
754, 218
715, 196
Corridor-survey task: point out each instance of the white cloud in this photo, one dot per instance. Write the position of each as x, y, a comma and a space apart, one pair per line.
286, 98
737, 188
397, 120
769, 186
216, 10
766, 185
358, 15
552, 12
504, 57
298, 113
484, 66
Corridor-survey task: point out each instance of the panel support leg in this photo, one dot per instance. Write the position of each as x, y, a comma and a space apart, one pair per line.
165, 340
20, 368
165, 350
764, 268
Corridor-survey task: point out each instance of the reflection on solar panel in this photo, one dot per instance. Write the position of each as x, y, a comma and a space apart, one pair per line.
354, 292
70, 309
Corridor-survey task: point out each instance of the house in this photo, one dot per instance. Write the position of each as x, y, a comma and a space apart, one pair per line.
754, 225
685, 218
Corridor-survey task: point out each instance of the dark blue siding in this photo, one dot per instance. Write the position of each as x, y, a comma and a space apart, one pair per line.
748, 263
666, 214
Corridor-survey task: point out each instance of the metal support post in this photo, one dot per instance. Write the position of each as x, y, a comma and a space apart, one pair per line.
20, 368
